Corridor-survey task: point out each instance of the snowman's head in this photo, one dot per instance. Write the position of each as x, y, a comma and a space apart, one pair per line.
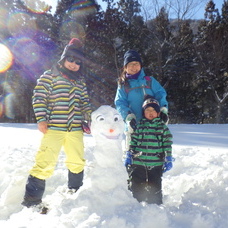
107, 123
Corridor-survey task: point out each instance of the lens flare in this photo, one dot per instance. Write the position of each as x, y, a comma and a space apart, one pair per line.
82, 8
6, 58
9, 106
26, 51
75, 29
20, 24
37, 6
1, 108
3, 18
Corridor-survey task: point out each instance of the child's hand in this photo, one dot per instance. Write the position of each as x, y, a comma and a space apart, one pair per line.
128, 159
86, 127
131, 122
168, 163
42, 126
164, 115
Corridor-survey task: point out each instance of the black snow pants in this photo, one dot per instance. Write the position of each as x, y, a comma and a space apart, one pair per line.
146, 183
35, 187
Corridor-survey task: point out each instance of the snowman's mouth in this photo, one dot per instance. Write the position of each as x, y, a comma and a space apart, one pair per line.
110, 136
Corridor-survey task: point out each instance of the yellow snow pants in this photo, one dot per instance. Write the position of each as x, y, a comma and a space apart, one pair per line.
51, 144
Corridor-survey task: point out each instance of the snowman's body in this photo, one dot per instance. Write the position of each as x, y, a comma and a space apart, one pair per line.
107, 129
108, 177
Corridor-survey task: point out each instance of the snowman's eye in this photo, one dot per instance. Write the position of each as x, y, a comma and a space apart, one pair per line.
100, 118
116, 118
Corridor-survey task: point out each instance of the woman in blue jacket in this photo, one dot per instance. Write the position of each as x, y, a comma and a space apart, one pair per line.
133, 85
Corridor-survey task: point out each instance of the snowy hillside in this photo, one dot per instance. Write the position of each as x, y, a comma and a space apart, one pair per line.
195, 190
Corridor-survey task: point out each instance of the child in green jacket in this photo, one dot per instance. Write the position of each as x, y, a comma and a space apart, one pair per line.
150, 154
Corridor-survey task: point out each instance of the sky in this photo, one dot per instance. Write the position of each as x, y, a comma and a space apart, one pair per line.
198, 15
194, 191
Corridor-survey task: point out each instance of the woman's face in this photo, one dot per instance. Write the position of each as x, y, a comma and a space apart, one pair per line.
133, 67
72, 63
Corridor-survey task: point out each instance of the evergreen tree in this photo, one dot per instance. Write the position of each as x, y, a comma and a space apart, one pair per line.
192, 68
26, 36
159, 49
135, 31
103, 39
212, 51
110, 34
181, 88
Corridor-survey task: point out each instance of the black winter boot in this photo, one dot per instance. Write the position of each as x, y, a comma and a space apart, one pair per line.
75, 180
34, 191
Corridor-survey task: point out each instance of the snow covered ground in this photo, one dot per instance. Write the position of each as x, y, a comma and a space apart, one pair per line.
195, 190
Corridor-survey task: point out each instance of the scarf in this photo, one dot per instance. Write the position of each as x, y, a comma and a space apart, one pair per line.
133, 76
72, 75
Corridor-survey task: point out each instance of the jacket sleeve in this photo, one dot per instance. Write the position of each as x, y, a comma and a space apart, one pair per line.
85, 103
135, 138
167, 141
160, 93
121, 102
40, 97
133, 142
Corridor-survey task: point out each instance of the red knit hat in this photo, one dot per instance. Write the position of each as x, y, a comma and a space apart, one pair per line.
73, 49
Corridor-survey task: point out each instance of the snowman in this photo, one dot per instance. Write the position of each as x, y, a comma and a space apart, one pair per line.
105, 191
107, 130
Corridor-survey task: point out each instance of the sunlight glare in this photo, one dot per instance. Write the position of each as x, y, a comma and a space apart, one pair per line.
38, 6
6, 58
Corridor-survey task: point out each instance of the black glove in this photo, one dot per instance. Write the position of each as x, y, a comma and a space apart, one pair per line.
131, 122
86, 127
164, 115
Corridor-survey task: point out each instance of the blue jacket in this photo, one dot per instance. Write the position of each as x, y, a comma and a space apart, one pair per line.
131, 102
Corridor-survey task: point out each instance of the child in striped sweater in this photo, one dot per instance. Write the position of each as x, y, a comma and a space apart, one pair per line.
150, 154
61, 106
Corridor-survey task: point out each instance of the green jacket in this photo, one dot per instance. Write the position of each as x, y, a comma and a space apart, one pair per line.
151, 143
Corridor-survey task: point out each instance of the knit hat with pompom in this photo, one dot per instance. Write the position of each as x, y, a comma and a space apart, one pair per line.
73, 49
149, 101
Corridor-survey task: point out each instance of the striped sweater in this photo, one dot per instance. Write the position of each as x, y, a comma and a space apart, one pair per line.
153, 139
63, 103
